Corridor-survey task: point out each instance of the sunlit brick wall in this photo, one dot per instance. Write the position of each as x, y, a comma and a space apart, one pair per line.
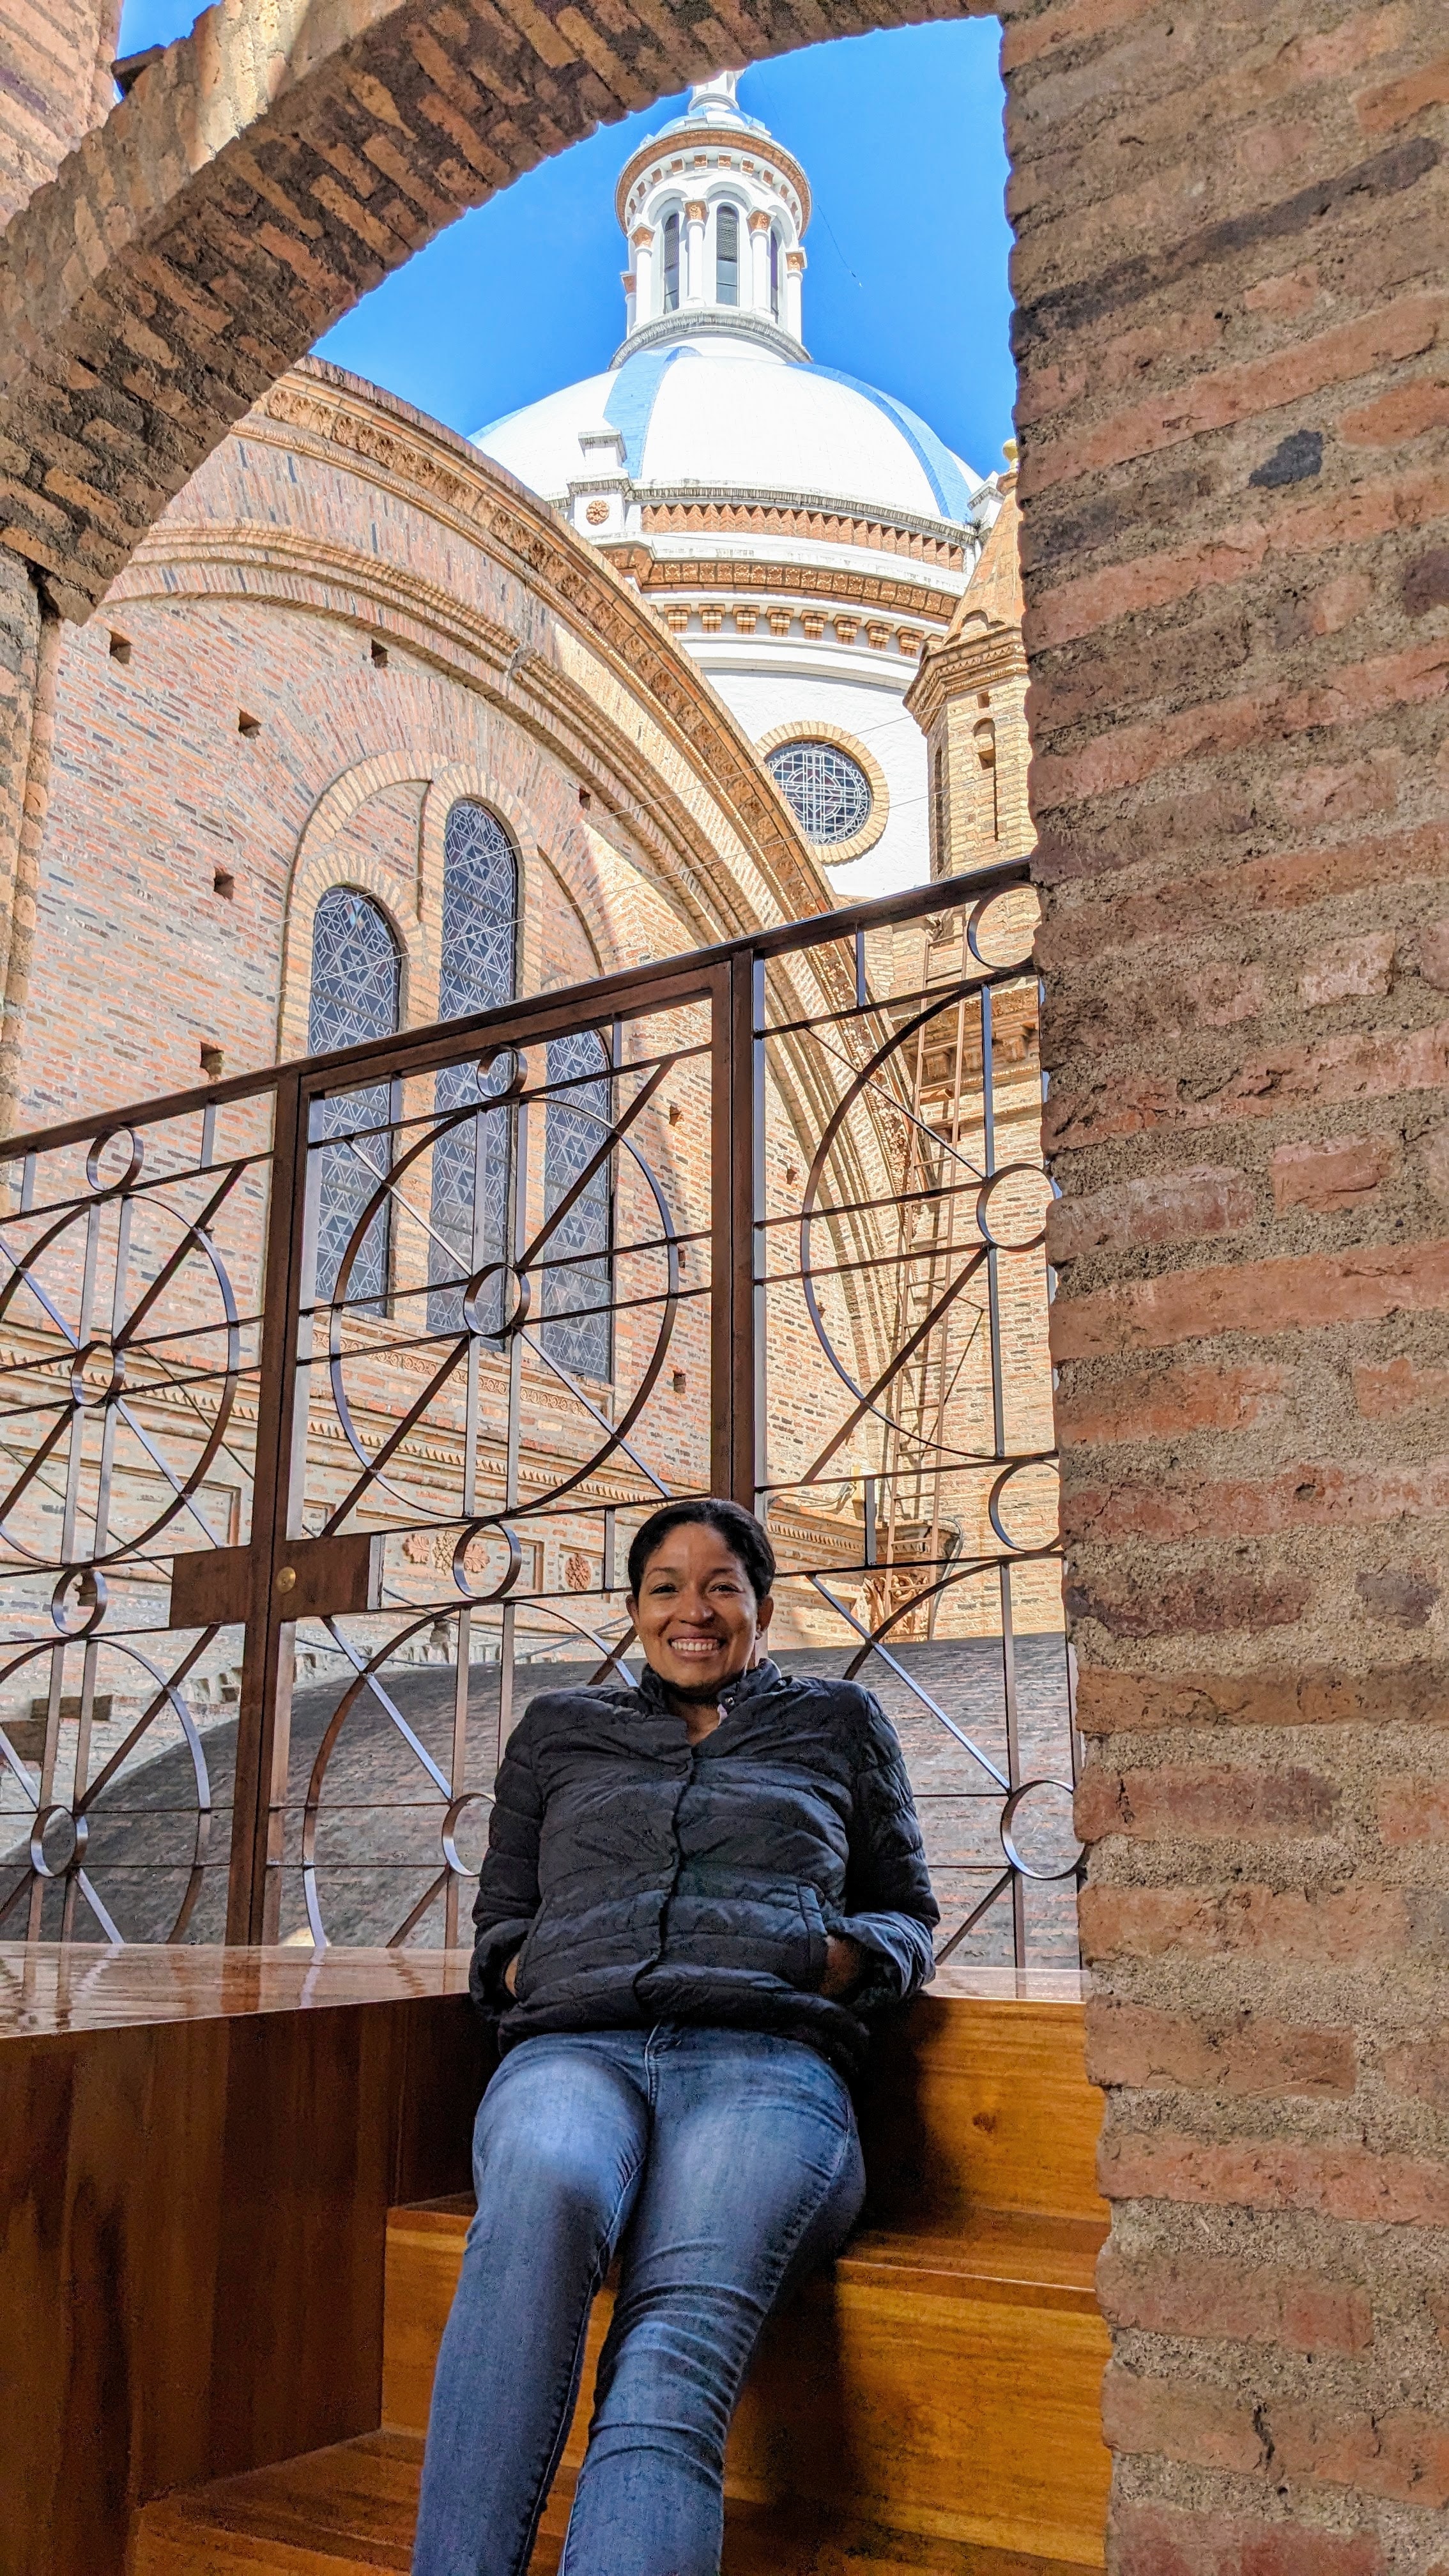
55, 84
1229, 276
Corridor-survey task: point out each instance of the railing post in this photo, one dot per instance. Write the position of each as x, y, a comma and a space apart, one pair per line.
737, 1184
264, 1713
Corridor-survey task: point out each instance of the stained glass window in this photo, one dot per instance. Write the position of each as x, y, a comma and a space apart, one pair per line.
576, 1293
727, 256
829, 791
356, 981
671, 263
479, 969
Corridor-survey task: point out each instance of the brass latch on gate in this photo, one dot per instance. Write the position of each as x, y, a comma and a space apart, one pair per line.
316, 1578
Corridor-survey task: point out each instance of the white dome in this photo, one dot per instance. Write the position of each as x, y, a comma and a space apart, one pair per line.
715, 413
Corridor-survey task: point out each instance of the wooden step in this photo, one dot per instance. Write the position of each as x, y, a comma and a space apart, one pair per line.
981, 2100
997, 2259
979, 2103
931, 2404
948, 2387
945, 2383
350, 2509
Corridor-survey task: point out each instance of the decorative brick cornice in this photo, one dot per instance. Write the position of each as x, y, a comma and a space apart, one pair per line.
665, 576
980, 657
817, 515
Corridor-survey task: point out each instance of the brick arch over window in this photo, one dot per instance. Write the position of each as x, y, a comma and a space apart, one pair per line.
315, 869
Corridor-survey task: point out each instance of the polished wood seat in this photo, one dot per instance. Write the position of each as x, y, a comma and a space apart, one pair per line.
930, 2404
340, 2511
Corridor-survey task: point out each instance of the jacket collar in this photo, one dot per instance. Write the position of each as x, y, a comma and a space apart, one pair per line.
765, 1675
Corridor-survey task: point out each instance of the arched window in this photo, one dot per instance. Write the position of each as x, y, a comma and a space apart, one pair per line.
356, 982
669, 265
774, 273
576, 1329
479, 969
727, 256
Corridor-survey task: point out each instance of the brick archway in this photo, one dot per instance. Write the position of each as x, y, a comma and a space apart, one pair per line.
268, 170
1235, 514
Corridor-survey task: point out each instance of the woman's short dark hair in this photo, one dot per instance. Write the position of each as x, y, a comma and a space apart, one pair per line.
743, 1535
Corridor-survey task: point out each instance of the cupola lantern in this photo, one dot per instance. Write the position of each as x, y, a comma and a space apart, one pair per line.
714, 215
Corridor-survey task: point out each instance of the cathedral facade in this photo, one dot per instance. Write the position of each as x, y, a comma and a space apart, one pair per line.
685, 677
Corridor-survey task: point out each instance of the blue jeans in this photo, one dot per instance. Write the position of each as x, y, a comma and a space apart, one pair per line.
731, 2158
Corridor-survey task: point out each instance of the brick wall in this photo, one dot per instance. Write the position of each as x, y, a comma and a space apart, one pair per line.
55, 84
1229, 273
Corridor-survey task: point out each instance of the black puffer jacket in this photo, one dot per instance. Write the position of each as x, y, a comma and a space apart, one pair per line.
646, 1880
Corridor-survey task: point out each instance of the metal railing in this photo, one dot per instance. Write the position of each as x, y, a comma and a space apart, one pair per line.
330, 1398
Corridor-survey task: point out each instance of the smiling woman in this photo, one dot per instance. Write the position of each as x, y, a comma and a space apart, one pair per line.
699, 1596
698, 1897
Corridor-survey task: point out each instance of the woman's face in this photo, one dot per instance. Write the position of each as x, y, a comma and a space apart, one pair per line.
695, 1612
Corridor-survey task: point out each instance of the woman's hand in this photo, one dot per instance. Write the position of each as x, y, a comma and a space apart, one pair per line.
844, 1965
510, 1973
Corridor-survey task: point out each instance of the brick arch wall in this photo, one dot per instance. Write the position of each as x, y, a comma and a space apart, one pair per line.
271, 168
1228, 272
55, 84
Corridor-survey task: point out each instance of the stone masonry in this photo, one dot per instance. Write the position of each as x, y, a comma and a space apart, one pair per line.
1230, 317
55, 84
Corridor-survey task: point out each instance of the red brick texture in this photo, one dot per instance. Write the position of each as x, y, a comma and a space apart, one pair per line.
1234, 519
1230, 324
55, 84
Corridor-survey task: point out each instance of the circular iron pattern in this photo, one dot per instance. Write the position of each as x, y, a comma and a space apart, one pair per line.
134, 1148
82, 1618
512, 1562
167, 1693
67, 1863
107, 1358
1009, 1811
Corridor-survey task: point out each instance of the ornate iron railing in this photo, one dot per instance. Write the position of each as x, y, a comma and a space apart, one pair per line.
330, 1399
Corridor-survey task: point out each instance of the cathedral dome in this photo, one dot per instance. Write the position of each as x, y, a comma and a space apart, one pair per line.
716, 413
803, 535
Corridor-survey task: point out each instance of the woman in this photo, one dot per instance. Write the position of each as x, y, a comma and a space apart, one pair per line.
696, 1896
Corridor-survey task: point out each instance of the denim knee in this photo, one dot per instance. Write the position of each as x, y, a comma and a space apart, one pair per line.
540, 2147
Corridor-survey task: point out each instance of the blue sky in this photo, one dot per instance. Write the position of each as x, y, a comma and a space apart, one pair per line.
902, 137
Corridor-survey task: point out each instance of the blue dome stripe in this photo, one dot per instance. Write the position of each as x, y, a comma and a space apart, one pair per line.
942, 472
630, 406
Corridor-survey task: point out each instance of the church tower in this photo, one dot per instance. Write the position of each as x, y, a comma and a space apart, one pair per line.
969, 699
